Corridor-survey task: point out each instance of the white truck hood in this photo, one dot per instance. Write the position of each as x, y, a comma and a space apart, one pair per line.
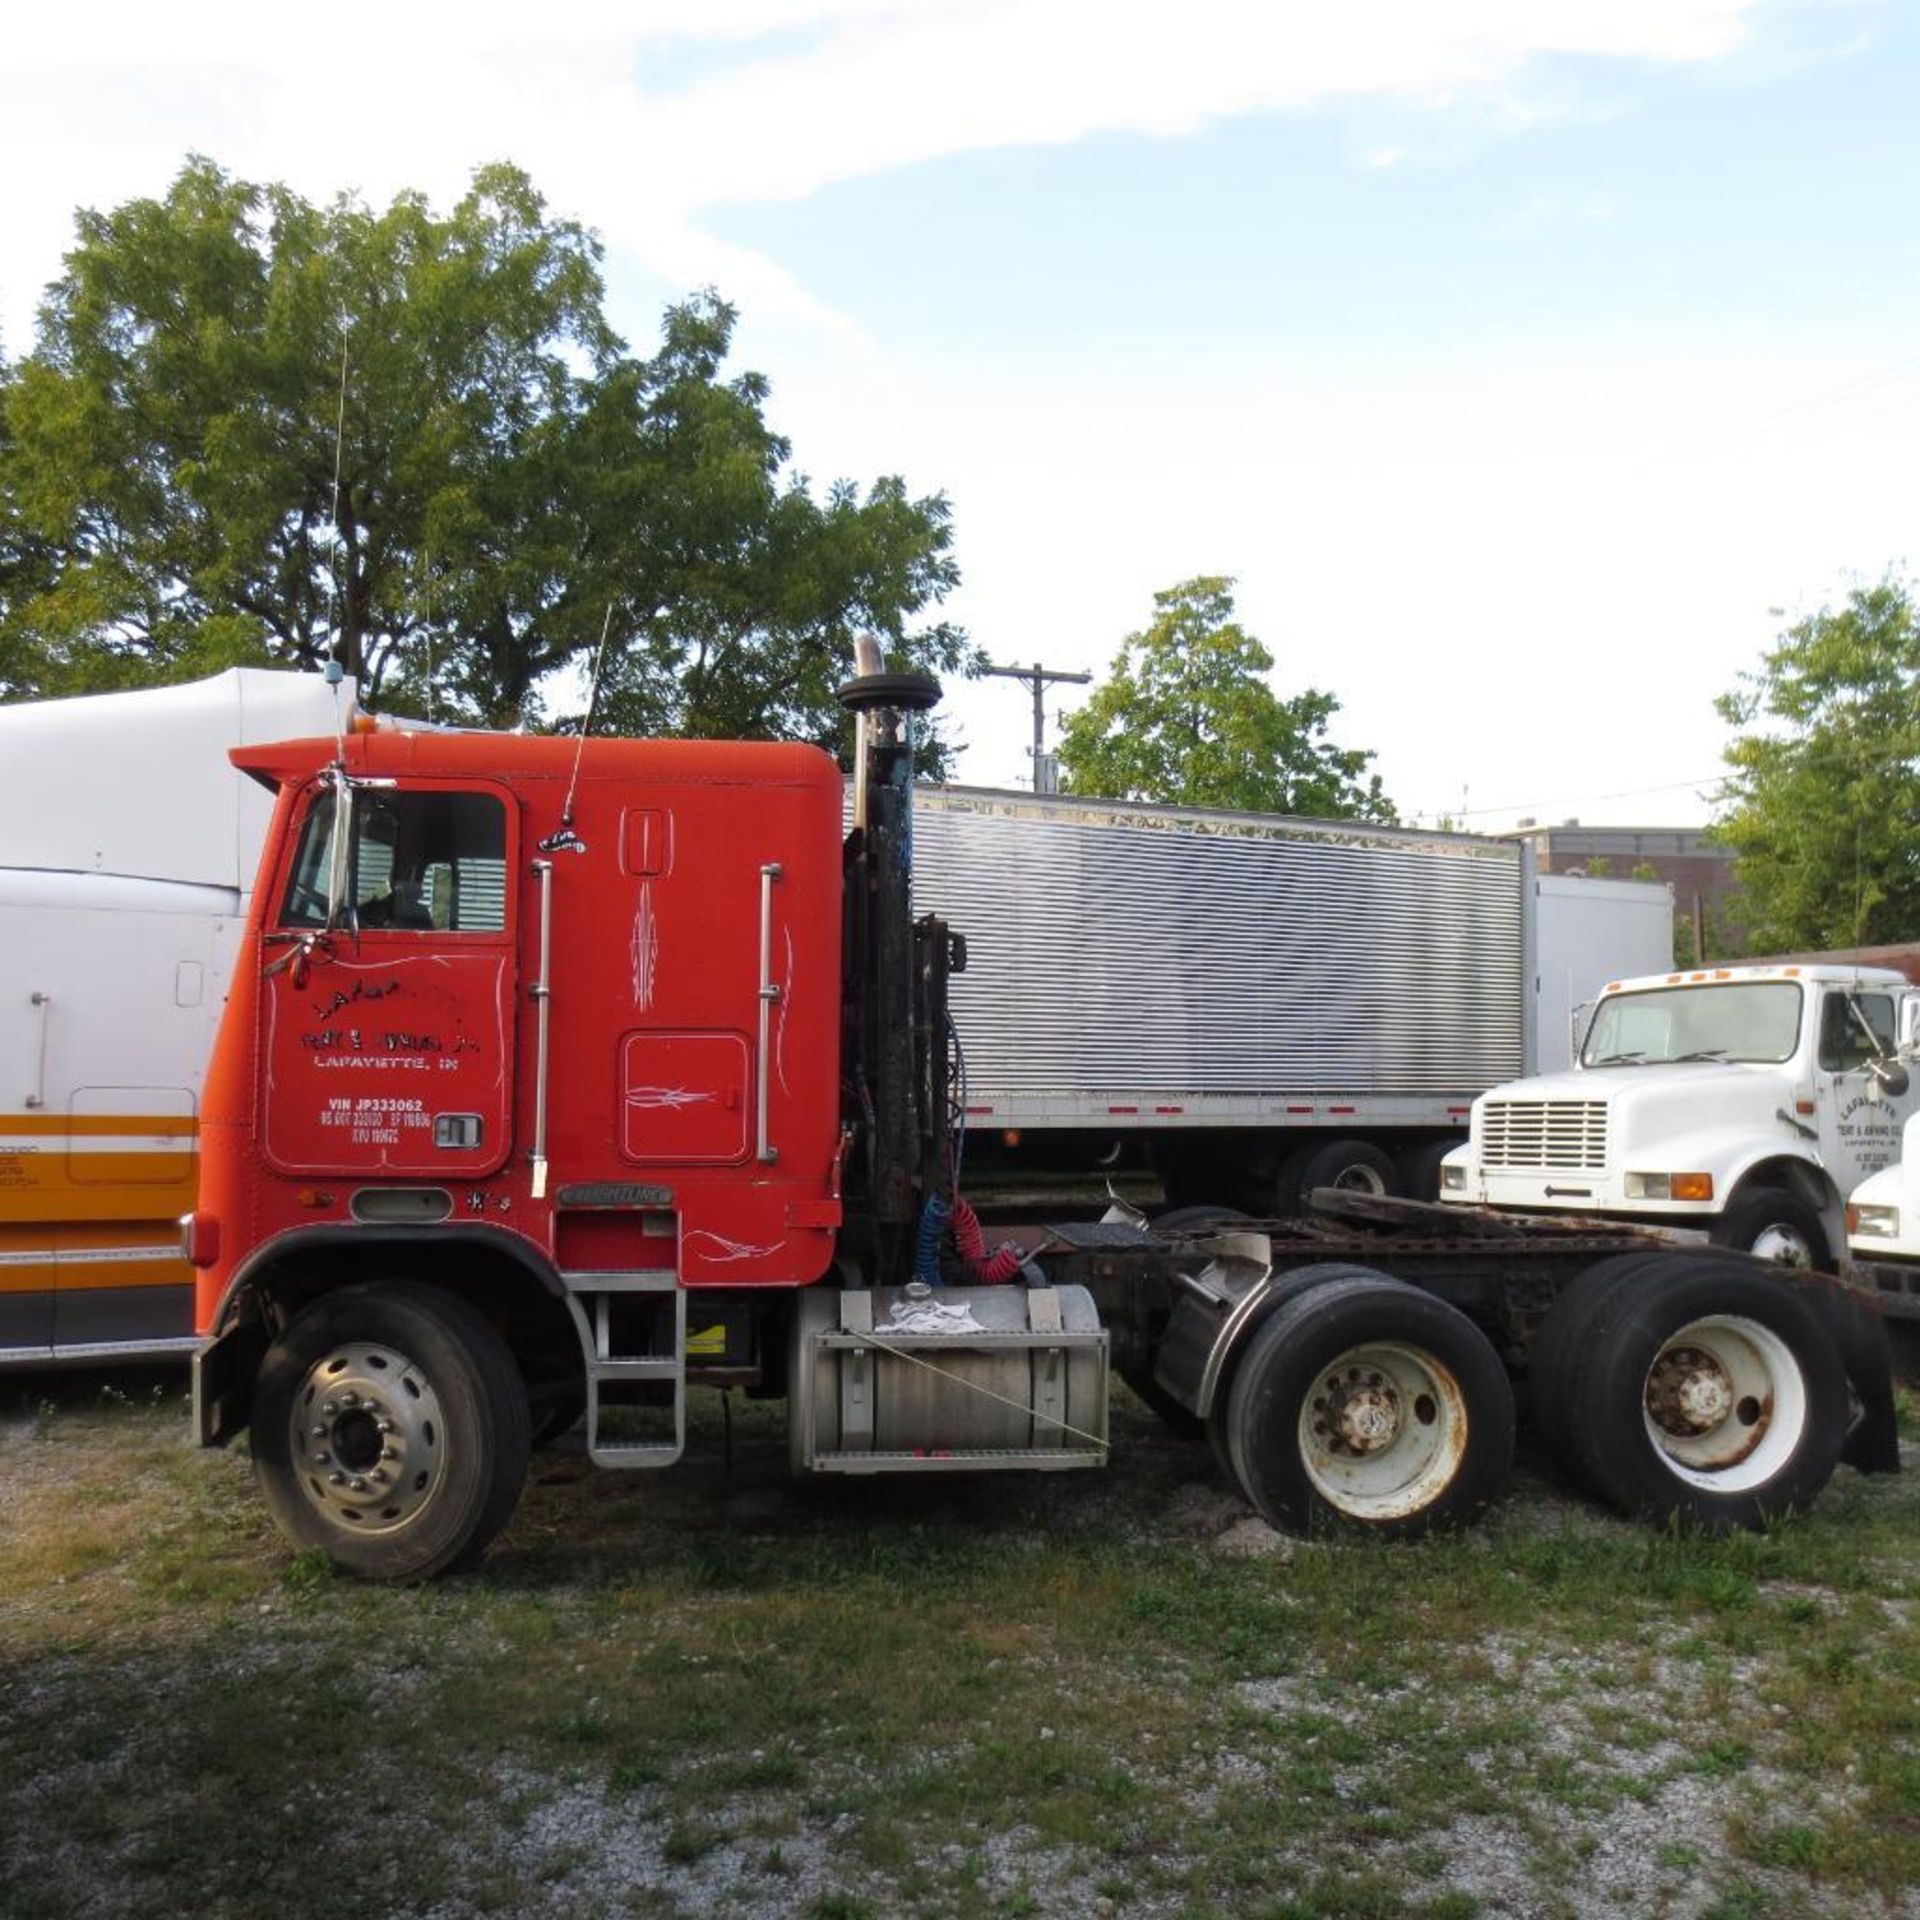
1690, 1114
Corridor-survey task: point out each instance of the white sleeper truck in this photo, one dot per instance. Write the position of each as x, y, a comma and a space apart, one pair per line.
127, 849
1746, 1102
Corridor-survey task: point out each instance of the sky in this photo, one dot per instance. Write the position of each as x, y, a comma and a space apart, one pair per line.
1530, 364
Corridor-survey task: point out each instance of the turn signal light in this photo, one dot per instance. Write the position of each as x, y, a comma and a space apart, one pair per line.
1692, 1186
200, 1239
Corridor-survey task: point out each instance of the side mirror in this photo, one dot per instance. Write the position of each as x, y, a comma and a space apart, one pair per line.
1909, 1041
1891, 1075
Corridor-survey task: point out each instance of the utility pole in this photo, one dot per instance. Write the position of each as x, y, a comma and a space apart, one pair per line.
1039, 678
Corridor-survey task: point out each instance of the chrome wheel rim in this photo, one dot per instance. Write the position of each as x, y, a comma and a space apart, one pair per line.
1382, 1431
1725, 1403
1782, 1243
1360, 1179
367, 1437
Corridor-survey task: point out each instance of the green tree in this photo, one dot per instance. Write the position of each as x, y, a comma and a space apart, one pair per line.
1186, 715
198, 486
1823, 798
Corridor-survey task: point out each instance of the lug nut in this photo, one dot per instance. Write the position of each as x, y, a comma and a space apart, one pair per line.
387, 1453
357, 1484
319, 1433
385, 1426
321, 1458
329, 1409
336, 1479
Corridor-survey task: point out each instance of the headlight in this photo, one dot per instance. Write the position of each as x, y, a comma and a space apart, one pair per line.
1669, 1186
1453, 1179
1877, 1223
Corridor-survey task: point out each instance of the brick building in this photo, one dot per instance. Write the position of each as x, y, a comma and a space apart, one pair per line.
1700, 875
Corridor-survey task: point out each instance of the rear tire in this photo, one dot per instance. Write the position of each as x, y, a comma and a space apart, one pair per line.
390, 1430
1560, 1346
1420, 1166
1368, 1404
1706, 1391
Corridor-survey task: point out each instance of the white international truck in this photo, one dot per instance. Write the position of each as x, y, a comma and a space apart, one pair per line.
1883, 1238
1252, 1006
1746, 1102
127, 849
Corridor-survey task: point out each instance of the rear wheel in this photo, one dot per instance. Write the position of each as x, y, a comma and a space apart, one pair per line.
390, 1429
1420, 1166
1706, 1391
1367, 1403
1561, 1345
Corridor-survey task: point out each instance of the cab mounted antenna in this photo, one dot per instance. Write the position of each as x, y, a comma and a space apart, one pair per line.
564, 839
336, 666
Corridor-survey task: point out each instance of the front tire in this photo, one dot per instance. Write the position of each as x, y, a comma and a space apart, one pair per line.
1771, 1224
1351, 1166
390, 1430
1368, 1404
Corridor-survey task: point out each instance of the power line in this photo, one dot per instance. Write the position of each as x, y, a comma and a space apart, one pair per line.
1577, 800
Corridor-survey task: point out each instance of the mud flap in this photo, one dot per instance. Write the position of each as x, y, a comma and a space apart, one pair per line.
1854, 1320
223, 1376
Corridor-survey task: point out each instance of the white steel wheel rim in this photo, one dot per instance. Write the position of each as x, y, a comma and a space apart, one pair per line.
1725, 1403
1783, 1244
1383, 1429
368, 1438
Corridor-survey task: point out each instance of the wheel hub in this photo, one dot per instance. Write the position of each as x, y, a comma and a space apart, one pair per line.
1357, 1413
1689, 1392
366, 1430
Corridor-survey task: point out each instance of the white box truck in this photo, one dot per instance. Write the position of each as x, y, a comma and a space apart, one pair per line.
1747, 1102
1255, 1005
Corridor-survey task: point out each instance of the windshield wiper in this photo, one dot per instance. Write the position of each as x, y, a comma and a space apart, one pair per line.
1616, 1059
1703, 1053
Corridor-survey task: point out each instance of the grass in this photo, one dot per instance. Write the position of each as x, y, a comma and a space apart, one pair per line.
710, 1691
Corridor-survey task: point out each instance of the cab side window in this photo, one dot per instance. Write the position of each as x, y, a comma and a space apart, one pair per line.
418, 862
1844, 1047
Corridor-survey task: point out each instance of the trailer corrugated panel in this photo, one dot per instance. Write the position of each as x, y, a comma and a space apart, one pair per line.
1131, 949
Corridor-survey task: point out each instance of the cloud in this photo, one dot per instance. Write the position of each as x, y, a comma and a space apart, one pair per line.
775, 100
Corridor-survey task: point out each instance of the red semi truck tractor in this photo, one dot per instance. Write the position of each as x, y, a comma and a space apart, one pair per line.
557, 1077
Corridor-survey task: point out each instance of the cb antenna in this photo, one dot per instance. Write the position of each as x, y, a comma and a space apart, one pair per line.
336, 666
565, 840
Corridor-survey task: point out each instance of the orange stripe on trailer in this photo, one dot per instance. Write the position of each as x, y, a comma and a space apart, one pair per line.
129, 1186
61, 1126
87, 1275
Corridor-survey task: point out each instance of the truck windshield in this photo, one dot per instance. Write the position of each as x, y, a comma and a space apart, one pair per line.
1747, 1020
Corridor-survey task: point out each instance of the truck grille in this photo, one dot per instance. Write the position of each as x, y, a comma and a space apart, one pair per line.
1566, 1136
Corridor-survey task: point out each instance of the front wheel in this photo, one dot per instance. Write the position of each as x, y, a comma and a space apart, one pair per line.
1369, 1404
1771, 1224
390, 1430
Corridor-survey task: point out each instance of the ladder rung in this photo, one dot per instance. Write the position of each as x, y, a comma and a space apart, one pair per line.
953, 1459
653, 1367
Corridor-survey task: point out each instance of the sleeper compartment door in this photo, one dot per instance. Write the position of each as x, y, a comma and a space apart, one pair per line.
385, 1051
